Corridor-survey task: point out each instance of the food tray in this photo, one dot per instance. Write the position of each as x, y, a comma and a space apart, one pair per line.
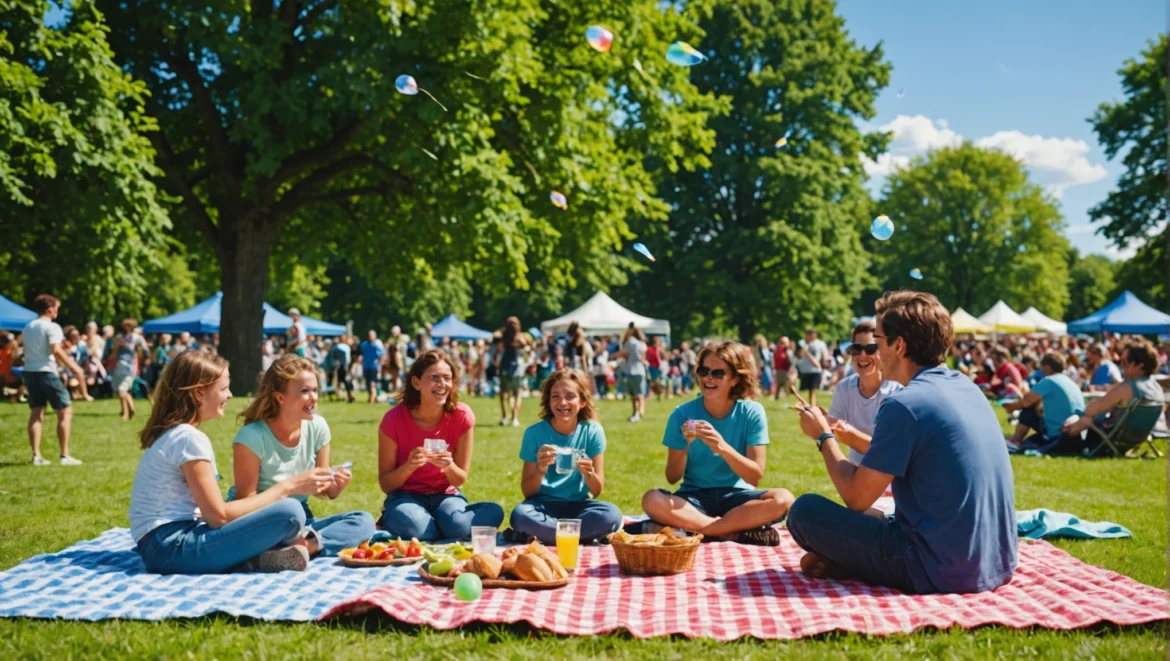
508, 583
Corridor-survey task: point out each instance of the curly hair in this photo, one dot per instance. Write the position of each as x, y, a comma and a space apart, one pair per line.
275, 380
739, 357
176, 397
584, 389
411, 397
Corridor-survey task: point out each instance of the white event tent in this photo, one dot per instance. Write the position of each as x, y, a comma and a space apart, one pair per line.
1044, 322
1003, 319
601, 315
965, 322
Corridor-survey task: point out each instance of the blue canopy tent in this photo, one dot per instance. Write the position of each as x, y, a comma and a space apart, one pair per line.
204, 317
457, 329
14, 317
1126, 314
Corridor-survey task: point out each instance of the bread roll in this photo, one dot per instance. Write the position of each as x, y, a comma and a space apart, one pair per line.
553, 562
484, 565
531, 567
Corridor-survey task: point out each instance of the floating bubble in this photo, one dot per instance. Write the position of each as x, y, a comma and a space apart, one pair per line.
901, 92
645, 251
559, 200
683, 54
406, 85
599, 38
429, 154
638, 66
783, 141
916, 274
882, 228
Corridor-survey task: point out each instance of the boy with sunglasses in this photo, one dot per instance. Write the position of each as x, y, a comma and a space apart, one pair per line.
857, 398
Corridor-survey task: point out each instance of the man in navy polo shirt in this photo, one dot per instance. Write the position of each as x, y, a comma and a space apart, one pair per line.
940, 444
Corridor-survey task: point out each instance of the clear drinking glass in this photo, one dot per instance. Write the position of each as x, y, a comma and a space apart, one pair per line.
483, 539
567, 459
435, 445
568, 542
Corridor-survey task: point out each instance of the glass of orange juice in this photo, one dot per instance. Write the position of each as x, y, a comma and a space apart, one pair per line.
568, 542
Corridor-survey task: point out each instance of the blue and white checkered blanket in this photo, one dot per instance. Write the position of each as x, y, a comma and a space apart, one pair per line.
104, 578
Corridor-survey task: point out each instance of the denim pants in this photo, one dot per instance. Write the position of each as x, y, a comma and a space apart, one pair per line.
193, 547
868, 549
537, 517
340, 531
432, 516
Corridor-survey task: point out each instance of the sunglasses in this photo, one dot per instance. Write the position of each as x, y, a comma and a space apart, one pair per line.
856, 349
703, 371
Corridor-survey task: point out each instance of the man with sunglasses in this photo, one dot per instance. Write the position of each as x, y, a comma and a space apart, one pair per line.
939, 442
857, 398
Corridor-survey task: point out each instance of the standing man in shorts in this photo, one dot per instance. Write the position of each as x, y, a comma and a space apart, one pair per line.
634, 368
781, 364
372, 352
42, 349
811, 364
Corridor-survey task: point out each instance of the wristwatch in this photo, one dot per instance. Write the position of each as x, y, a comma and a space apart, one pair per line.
824, 437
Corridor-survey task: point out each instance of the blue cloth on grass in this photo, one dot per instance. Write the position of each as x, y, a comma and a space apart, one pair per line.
1042, 523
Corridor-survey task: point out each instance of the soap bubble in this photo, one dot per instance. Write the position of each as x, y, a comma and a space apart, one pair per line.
882, 228
645, 251
406, 85
683, 54
599, 38
916, 274
559, 200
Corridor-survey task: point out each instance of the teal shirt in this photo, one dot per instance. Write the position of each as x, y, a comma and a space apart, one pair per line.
746, 425
589, 436
278, 462
1062, 398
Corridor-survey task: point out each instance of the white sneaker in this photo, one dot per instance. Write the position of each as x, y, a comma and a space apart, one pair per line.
69, 461
515, 422
294, 558
503, 422
634, 418
38, 460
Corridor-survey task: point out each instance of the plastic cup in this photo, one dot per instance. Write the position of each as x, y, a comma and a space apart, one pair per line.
568, 542
567, 459
483, 539
690, 431
435, 445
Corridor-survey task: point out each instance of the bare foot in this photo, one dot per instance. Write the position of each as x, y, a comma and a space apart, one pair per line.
813, 565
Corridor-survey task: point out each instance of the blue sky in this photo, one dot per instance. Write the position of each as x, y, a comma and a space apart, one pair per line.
1023, 76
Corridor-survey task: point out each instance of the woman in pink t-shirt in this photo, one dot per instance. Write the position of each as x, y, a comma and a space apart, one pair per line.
422, 488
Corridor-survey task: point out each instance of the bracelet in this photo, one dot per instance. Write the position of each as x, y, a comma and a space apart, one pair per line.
824, 437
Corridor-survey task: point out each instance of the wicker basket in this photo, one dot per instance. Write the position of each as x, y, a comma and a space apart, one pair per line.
654, 560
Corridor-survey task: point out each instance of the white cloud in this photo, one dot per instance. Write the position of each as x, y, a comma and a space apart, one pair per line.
1153, 233
1056, 163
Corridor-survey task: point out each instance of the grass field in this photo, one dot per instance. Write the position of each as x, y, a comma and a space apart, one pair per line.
46, 509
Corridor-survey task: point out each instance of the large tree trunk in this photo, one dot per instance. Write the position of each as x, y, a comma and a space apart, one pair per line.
244, 274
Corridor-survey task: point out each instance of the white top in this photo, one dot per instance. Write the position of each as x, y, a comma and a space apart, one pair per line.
160, 493
38, 337
849, 405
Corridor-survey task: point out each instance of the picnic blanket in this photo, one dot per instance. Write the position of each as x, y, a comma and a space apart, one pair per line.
104, 578
1037, 524
735, 591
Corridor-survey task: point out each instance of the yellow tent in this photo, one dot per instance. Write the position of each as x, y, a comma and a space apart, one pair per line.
1006, 320
965, 322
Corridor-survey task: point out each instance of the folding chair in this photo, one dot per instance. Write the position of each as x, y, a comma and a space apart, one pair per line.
1130, 437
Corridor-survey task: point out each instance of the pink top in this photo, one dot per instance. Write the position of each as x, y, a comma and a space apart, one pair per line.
400, 427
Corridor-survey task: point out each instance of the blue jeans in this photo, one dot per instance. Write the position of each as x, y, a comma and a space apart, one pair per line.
538, 517
193, 547
868, 549
432, 516
340, 531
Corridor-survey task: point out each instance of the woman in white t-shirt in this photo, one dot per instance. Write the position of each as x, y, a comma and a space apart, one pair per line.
178, 517
283, 436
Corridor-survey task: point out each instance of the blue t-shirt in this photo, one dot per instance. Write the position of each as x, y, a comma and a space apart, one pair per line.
339, 356
1106, 374
589, 436
953, 490
745, 425
1062, 398
371, 352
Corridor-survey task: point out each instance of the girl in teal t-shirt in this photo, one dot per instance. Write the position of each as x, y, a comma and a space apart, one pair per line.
281, 437
568, 422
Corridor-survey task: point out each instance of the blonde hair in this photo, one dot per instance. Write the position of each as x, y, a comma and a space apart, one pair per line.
274, 380
584, 389
739, 358
176, 397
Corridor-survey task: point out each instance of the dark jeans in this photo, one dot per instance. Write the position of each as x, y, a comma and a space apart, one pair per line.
1061, 444
602, 384
432, 516
538, 517
867, 549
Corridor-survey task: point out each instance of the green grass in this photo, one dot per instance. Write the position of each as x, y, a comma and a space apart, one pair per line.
47, 509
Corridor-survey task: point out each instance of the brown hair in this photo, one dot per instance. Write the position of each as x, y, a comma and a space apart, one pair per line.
635, 332
176, 397
129, 325
43, 302
740, 359
1140, 352
1002, 353
275, 379
411, 397
921, 321
584, 389
1053, 361
863, 327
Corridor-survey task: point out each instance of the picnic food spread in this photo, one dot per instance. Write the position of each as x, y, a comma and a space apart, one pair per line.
663, 553
399, 552
518, 566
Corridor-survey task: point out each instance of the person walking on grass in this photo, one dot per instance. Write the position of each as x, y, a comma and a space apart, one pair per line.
43, 339
510, 366
633, 355
718, 446
938, 441
127, 348
179, 520
811, 365
372, 352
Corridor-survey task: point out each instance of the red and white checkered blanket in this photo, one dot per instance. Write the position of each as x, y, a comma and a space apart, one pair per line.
735, 591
